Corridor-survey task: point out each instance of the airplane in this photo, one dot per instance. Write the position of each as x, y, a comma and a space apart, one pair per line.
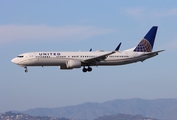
71, 60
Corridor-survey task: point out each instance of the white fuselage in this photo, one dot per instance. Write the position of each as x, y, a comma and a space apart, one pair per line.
60, 58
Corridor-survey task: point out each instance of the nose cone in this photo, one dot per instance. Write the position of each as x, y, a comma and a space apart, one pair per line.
14, 60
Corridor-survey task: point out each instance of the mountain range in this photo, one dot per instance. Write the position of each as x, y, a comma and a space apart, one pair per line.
20, 116
163, 109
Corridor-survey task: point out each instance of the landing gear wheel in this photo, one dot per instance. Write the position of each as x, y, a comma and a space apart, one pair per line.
89, 69
84, 69
26, 70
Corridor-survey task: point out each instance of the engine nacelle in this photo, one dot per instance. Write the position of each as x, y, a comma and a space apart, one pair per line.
73, 64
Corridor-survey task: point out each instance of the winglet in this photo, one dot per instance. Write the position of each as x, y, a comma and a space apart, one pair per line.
118, 47
90, 49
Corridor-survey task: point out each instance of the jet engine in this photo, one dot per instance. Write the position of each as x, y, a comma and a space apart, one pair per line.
73, 64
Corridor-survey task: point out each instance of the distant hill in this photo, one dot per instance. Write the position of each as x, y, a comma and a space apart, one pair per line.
124, 117
19, 116
164, 109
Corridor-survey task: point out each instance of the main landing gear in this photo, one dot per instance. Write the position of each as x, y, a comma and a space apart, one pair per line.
26, 70
89, 69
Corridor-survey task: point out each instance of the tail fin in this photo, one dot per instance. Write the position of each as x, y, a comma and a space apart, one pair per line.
146, 44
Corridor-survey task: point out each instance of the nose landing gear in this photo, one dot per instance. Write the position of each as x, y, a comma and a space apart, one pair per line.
26, 70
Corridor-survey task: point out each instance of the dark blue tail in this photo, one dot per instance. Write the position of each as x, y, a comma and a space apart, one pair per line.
146, 44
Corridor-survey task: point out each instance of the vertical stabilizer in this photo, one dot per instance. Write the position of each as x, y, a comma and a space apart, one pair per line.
146, 44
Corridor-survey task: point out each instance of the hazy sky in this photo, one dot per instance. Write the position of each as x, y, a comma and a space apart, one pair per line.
73, 25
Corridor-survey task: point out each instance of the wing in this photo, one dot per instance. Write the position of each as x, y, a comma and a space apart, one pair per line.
95, 60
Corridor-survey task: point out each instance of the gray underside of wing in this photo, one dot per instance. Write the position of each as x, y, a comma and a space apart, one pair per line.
95, 60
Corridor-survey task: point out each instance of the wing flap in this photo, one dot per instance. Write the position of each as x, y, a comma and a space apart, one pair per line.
97, 59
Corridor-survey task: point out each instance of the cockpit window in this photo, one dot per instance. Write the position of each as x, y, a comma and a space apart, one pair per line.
20, 56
